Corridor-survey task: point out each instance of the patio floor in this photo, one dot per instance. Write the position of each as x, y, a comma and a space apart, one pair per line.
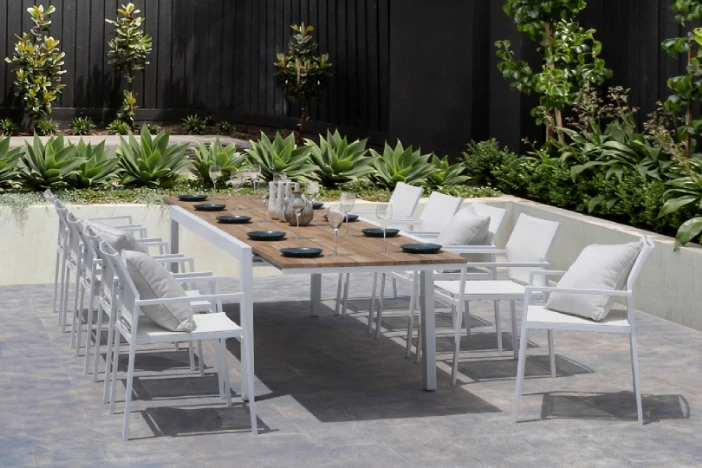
331, 395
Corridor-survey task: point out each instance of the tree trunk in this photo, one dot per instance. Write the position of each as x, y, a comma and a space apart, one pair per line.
557, 113
303, 123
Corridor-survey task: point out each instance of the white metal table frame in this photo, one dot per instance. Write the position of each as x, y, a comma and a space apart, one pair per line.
244, 254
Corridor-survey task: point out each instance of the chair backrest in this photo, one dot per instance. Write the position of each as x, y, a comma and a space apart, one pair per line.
125, 292
438, 212
648, 246
496, 215
49, 196
530, 241
404, 200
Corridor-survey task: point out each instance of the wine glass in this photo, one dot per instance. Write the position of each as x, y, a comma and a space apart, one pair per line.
255, 176
215, 173
311, 189
346, 203
383, 213
264, 194
335, 218
236, 181
298, 204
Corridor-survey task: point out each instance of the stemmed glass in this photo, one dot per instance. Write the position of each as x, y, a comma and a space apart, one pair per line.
335, 219
255, 176
311, 189
264, 193
236, 181
215, 173
346, 203
383, 213
298, 204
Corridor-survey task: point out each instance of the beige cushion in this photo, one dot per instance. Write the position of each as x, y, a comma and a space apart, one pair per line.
118, 239
597, 267
153, 281
465, 228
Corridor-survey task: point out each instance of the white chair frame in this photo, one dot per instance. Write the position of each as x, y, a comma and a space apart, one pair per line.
560, 321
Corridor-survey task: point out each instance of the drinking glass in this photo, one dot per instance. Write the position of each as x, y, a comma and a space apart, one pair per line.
255, 176
335, 218
215, 174
298, 204
311, 189
264, 193
236, 181
383, 213
279, 176
346, 203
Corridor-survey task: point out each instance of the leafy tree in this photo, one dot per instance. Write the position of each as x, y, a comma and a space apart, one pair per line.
687, 88
302, 74
128, 52
570, 57
37, 65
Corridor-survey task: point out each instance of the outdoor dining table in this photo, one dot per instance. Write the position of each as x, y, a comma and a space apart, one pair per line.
360, 255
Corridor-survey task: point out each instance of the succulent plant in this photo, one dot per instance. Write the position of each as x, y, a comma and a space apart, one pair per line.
281, 156
339, 161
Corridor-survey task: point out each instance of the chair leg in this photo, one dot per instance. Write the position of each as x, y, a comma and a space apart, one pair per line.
128, 397
418, 354
339, 285
62, 291
220, 370
551, 353
372, 303
78, 319
111, 359
521, 364
498, 326
89, 331
466, 317
225, 374
381, 299
56, 282
191, 355
64, 307
394, 288
457, 343
114, 364
200, 359
98, 340
635, 372
513, 312
346, 295
410, 318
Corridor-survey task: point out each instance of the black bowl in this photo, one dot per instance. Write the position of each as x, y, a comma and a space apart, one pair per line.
192, 198
210, 207
378, 232
266, 235
421, 248
301, 252
233, 219
317, 205
351, 217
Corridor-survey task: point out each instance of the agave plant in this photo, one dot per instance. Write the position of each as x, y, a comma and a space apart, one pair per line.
9, 170
50, 165
447, 174
98, 168
401, 164
281, 155
337, 161
151, 161
227, 157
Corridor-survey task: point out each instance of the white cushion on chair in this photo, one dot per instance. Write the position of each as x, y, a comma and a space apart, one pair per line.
465, 228
153, 281
597, 267
118, 239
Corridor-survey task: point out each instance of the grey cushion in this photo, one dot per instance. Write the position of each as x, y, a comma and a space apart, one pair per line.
597, 267
465, 228
118, 239
153, 281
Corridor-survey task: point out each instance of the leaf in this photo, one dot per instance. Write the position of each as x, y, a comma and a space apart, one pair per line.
688, 231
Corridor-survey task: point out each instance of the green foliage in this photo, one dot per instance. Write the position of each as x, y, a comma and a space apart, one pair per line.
481, 158
47, 127
8, 127
99, 169
401, 164
9, 170
686, 193
281, 155
127, 52
227, 157
301, 74
338, 161
118, 127
571, 56
151, 128
151, 161
447, 174
37, 65
223, 128
82, 125
194, 125
51, 165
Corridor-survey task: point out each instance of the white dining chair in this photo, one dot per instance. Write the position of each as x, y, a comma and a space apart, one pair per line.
137, 329
538, 317
527, 249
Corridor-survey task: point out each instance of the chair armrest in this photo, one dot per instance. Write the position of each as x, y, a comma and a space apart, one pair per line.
168, 256
185, 299
128, 218
589, 292
394, 222
425, 234
507, 264
544, 273
188, 277
477, 249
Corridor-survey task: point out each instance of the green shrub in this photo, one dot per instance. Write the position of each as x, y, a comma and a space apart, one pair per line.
338, 161
400, 164
47, 127
223, 128
446, 174
151, 128
227, 157
117, 127
99, 169
9, 169
50, 165
8, 127
194, 125
151, 161
281, 156
481, 158
82, 125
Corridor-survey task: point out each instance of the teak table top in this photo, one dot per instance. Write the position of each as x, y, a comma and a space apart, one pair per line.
358, 250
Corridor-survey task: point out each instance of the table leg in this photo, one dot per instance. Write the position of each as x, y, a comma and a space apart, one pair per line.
426, 288
174, 241
315, 295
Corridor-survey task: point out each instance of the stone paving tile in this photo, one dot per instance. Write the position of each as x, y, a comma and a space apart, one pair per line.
330, 395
